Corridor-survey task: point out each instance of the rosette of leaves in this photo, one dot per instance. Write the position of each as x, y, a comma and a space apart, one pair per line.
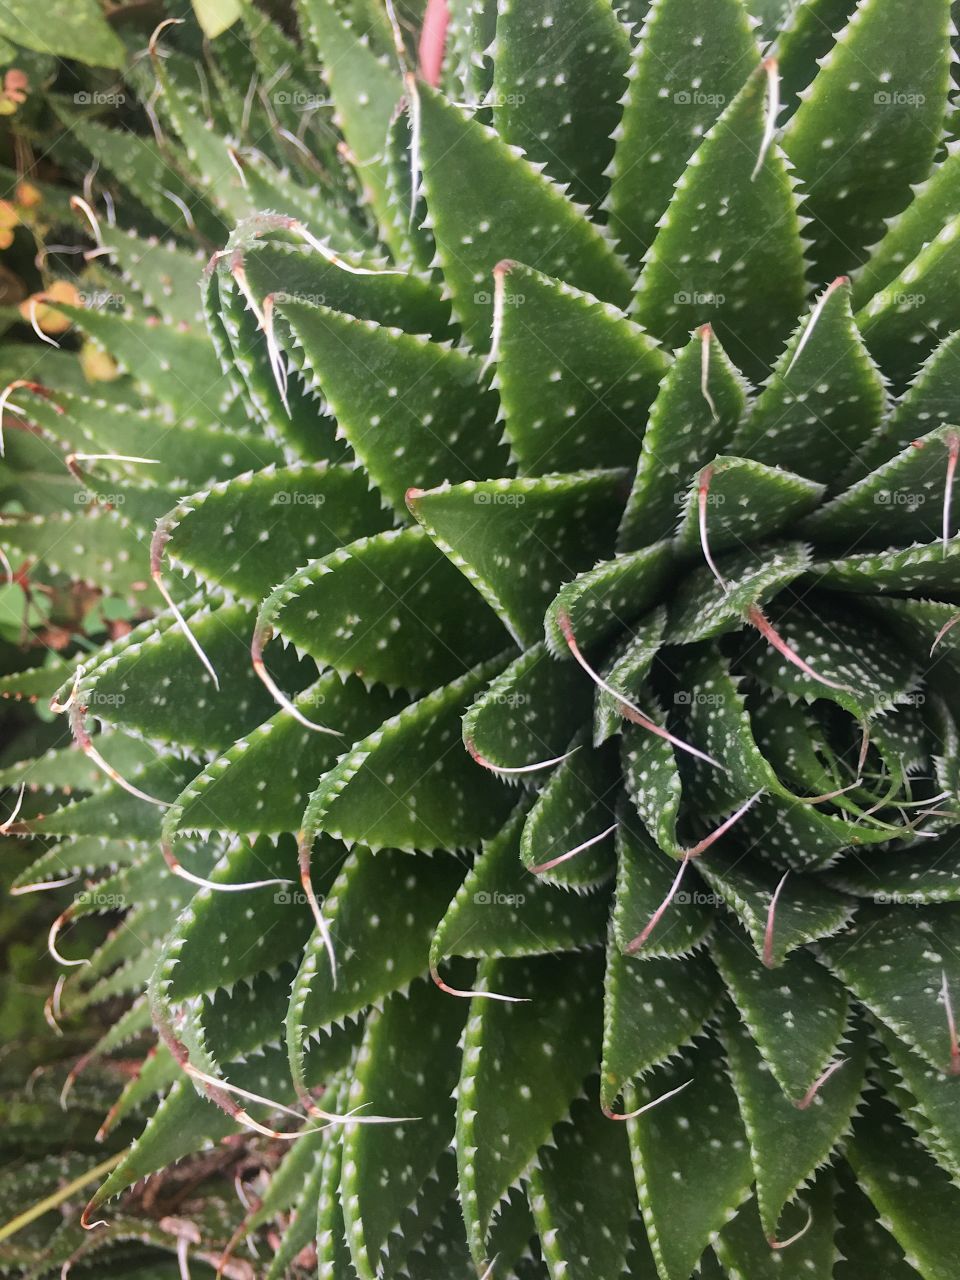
552, 746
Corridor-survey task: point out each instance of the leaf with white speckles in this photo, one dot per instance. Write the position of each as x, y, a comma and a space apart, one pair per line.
466, 169
523, 1064
690, 1156
796, 1013
746, 501
701, 608
907, 877
787, 1144
601, 600
560, 118
745, 1249
576, 376
928, 1102
652, 782
626, 672
915, 1200
501, 910
690, 61
583, 1196
408, 1065
575, 805
694, 416
410, 784
519, 540
413, 411
919, 569
870, 124
894, 961
394, 610
650, 1009
729, 250
824, 399
866, 1248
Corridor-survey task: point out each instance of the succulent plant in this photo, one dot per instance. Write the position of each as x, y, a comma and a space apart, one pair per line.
535, 810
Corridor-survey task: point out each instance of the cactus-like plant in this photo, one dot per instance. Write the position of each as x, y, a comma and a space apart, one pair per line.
553, 747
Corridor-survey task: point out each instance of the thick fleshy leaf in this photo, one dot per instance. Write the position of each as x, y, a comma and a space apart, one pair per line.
745, 1248
920, 569
728, 250
690, 62
413, 411
408, 1065
690, 1155
866, 1248
746, 501
517, 541
651, 1008
905, 877
823, 401
501, 910
626, 671
576, 376
601, 600
701, 608
563, 121
796, 1013
583, 1196
915, 1200
928, 1102
466, 168
410, 785
896, 963
870, 124
787, 1144
523, 1064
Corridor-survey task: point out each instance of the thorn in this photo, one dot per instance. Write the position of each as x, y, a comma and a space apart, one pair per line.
470, 995
648, 1106
785, 1244
63, 918
72, 459
771, 914
724, 827
177, 868
260, 636
37, 388
75, 716
815, 316
818, 1084
160, 538
945, 630
433, 41
500, 272
516, 769
772, 69
278, 365
572, 853
167, 22
951, 1025
303, 854
627, 709
706, 339
78, 202
703, 496
757, 618
633, 947
953, 446
35, 326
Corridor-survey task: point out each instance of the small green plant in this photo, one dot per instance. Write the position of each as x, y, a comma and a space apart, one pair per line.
534, 809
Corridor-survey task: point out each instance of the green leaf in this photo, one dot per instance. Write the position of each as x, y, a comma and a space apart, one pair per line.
746, 501
114, 813
867, 1249
904, 877
523, 1064
651, 1008
869, 125
688, 64
517, 541
824, 399
644, 876
728, 249
466, 169
913, 1198
408, 1065
247, 533
563, 120
806, 910
575, 805
98, 539
68, 28
262, 782
301, 1229
806, 37
501, 910
529, 713
903, 501
919, 569
699, 405
931, 1105
788, 1145
652, 782
903, 323
410, 784
907, 994
690, 1157
583, 1196
576, 376
626, 671
598, 602
413, 411
394, 609
745, 1248
796, 1014
701, 608
165, 276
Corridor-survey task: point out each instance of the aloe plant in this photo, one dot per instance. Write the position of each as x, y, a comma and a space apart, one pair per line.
534, 809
